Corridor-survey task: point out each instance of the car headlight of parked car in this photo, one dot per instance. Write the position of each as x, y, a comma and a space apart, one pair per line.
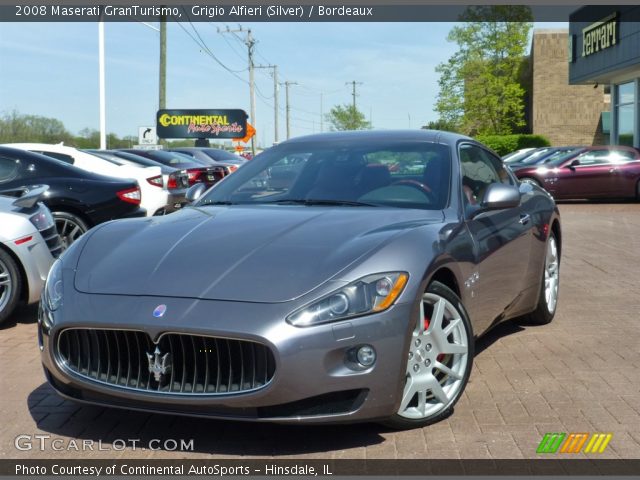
370, 294
53, 290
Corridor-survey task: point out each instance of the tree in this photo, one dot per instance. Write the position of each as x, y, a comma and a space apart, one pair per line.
480, 88
441, 124
16, 127
347, 117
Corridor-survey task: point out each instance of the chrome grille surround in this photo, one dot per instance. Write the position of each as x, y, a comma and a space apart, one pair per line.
200, 365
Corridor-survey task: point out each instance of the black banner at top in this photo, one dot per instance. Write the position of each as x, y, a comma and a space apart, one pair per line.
201, 123
280, 11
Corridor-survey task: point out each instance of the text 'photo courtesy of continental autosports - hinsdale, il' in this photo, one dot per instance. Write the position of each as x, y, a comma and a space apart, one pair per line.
358, 270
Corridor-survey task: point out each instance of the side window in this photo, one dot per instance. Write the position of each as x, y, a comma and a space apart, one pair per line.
622, 156
9, 169
478, 172
595, 157
60, 156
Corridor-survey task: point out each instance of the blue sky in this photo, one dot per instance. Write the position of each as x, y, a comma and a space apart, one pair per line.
51, 69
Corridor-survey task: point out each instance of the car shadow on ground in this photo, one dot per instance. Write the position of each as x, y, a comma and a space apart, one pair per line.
25, 314
499, 331
217, 437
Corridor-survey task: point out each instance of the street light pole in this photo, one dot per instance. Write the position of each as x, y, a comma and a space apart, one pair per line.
101, 88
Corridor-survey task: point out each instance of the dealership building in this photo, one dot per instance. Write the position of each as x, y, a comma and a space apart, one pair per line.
604, 50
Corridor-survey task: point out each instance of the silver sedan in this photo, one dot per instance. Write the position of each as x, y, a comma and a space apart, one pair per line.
349, 286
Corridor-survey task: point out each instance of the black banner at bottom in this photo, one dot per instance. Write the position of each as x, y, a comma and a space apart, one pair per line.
302, 467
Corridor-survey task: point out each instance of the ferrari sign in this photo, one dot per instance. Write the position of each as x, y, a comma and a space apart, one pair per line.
201, 123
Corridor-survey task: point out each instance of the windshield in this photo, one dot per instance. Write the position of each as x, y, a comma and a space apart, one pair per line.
563, 156
536, 156
517, 156
404, 175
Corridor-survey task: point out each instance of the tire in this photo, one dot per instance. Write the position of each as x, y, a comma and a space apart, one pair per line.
548, 298
69, 226
443, 339
638, 191
10, 285
530, 180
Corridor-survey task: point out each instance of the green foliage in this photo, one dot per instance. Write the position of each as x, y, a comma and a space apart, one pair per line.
503, 144
480, 85
15, 127
347, 117
19, 128
442, 124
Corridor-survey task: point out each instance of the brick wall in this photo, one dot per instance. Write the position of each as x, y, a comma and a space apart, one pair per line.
565, 114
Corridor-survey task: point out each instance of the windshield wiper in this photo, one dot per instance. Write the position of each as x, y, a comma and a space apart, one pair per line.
312, 202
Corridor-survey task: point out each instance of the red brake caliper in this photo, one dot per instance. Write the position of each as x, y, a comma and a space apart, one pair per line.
426, 327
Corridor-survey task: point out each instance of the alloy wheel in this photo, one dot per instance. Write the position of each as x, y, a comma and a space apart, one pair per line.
6, 286
69, 230
551, 275
438, 360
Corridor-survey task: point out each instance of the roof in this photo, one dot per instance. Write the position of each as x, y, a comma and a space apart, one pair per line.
381, 135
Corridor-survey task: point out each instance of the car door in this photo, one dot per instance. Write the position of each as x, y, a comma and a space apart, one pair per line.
501, 238
624, 172
594, 176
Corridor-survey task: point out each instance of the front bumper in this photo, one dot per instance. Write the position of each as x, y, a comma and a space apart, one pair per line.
315, 381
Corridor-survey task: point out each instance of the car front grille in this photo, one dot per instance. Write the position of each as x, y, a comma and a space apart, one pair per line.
176, 364
53, 240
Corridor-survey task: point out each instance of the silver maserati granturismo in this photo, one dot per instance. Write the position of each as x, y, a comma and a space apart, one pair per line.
336, 277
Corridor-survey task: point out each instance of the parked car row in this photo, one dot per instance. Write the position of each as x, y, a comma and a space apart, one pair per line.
89, 187
29, 244
574, 172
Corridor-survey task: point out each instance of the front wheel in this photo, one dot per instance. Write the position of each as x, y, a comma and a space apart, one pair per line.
438, 362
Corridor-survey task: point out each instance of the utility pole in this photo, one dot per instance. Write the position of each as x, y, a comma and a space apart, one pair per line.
162, 81
287, 84
353, 84
250, 43
276, 104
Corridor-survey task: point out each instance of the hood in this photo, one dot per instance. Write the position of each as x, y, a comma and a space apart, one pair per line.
238, 253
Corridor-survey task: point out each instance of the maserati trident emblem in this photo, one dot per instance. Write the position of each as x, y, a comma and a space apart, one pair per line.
159, 311
159, 364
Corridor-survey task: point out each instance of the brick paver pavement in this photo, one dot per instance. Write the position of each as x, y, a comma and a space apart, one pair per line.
579, 374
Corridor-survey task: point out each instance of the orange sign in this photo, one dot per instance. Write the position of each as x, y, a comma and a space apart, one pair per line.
251, 131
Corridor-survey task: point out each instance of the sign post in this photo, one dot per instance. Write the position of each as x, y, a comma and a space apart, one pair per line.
147, 136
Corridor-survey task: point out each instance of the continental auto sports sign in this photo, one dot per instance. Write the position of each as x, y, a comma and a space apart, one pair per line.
201, 123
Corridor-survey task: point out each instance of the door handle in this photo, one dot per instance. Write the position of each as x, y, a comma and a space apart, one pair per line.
524, 218
613, 170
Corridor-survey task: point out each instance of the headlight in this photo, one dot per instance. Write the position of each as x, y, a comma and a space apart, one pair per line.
53, 288
42, 220
371, 294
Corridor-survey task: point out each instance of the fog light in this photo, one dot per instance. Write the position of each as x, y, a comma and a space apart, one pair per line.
366, 355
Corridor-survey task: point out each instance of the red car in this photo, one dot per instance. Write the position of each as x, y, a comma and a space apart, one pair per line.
593, 172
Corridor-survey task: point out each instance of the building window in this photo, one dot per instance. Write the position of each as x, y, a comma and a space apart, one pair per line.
625, 112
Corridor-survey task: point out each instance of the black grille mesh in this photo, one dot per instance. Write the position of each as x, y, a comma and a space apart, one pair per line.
197, 364
54, 243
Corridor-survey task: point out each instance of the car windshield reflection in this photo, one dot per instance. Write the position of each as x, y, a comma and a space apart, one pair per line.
404, 175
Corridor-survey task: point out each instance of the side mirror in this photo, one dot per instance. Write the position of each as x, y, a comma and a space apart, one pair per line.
574, 164
500, 196
195, 192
